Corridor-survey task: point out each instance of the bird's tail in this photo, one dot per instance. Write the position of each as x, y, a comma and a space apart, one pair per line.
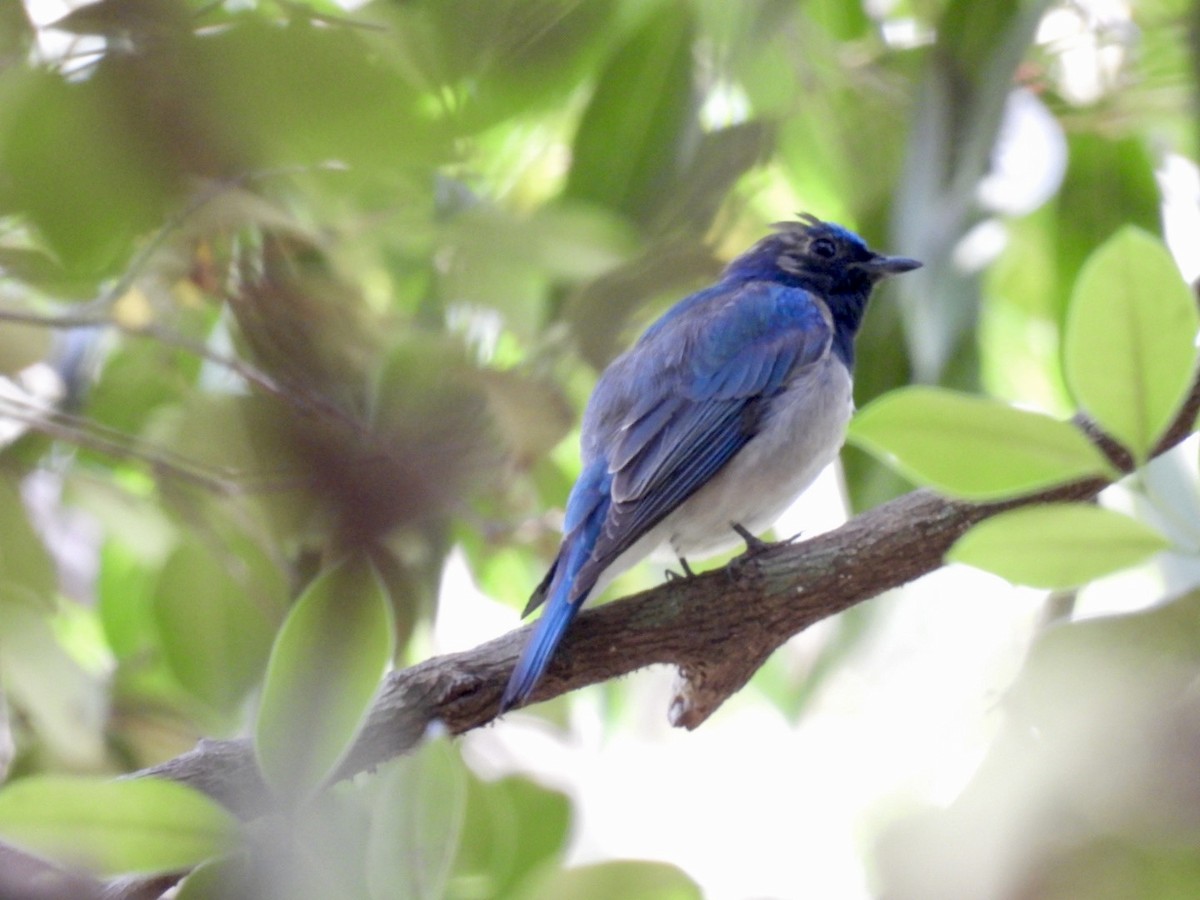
536, 656
562, 588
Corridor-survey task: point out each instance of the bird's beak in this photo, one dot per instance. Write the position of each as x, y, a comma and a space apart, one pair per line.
882, 266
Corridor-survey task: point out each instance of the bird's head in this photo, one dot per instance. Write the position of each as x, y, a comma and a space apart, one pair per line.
819, 256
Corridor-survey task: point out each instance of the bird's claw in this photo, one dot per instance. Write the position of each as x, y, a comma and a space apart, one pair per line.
754, 545
795, 537
745, 565
687, 571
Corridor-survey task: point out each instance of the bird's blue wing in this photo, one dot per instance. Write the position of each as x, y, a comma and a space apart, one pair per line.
667, 417
692, 418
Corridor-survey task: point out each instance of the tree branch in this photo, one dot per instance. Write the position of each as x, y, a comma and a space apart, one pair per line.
716, 628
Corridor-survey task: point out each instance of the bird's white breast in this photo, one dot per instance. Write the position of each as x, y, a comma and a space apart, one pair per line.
802, 434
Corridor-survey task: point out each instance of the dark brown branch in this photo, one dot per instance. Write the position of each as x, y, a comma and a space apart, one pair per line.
717, 628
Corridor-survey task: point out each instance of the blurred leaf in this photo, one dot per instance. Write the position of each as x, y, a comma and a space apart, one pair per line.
25, 566
410, 567
634, 880
228, 207
499, 60
436, 443
952, 137
225, 876
1060, 545
1110, 868
631, 137
974, 447
306, 95
318, 851
836, 147
1109, 184
216, 618
702, 186
39, 269
1130, 345
565, 242
1089, 660
122, 18
243, 444
74, 173
496, 261
512, 826
63, 705
844, 21
16, 34
124, 600
969, 34
304, 324
1019, 345
124, 509
505, 573
600, 311
113, 827
419, 806
137, 379
1095, 749
324, 670
21, 345
531, 415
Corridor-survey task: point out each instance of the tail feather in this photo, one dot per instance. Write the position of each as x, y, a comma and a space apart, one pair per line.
562, 589
538, 652
539, 593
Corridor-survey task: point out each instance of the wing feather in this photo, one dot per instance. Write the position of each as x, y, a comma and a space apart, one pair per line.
690, 420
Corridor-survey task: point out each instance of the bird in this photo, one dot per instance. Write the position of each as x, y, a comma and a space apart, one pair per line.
714, 422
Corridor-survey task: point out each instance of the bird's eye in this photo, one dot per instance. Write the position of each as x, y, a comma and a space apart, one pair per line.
824, 248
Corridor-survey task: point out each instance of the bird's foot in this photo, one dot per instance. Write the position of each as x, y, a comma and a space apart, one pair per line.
745, 565
754, 545
687, 571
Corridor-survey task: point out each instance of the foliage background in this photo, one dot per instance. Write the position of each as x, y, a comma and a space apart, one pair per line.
287, 281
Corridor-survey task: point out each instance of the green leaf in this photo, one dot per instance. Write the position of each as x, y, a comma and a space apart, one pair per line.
974, 447
324, 669
499, 63
1058, 545
21, 344
216, 619
305, 94
227, 876
64, 706
970, 34
1129, 348
631, 133
1128, 865
25, 565
124, 598
85, 184
513, 827
420, 805
956, 119
111, 827
703, 184
1110, 183
844, 21
633, 879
